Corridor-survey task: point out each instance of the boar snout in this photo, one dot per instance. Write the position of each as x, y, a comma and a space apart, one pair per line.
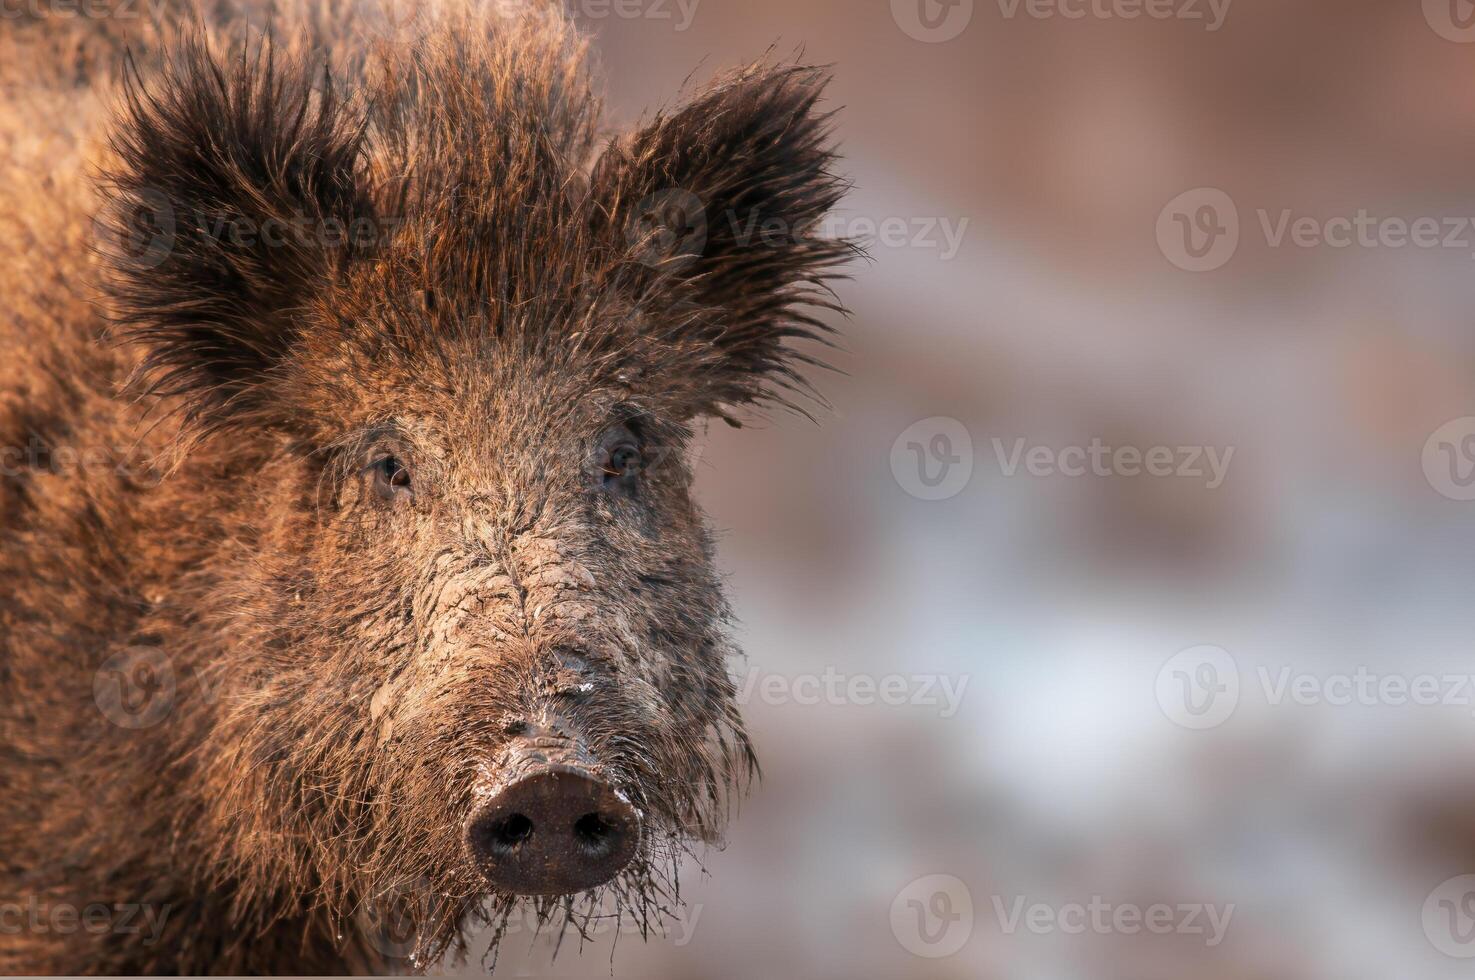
555, 828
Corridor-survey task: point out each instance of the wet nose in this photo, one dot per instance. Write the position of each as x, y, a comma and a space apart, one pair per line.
556, 829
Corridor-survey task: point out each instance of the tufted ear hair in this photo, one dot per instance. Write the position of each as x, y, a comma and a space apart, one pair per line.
720, 204
236, 195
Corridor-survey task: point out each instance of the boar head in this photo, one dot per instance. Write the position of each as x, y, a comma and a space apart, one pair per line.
467, 634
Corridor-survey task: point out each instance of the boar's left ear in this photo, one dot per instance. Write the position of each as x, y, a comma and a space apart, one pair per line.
717, 207
236, 193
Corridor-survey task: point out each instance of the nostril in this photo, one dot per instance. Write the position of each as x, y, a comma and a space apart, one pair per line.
595, 835
506, 834
556, 830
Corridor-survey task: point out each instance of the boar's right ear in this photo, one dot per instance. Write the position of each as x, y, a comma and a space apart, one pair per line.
717, 206
236, 193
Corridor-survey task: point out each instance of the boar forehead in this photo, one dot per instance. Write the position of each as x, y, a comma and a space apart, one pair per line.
488, 371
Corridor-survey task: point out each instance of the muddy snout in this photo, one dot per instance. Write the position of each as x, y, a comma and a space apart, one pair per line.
555, 827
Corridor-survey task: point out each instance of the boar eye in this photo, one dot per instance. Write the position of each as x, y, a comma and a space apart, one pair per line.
622, 461
391, 478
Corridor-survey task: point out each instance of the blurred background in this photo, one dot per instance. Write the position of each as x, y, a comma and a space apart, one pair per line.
1116, 621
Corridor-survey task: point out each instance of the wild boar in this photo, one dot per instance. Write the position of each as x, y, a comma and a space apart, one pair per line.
350, 571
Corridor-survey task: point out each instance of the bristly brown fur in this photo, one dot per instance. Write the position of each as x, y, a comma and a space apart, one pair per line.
205, 147
376, 235
755, 154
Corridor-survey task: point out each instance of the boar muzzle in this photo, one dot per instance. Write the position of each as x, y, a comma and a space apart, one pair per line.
554, 827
